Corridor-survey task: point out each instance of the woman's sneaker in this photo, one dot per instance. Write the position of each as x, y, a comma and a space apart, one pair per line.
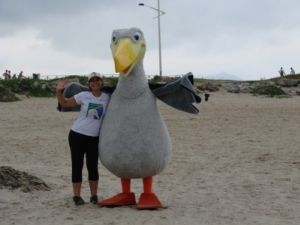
94, 199
78, 200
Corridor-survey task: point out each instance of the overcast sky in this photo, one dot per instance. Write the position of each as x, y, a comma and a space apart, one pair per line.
251, 39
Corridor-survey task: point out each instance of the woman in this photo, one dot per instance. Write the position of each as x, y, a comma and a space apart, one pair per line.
84, 133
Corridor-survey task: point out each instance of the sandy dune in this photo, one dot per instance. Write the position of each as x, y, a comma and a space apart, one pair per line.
237, 162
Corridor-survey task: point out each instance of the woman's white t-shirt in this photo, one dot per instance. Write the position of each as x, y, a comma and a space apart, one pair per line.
91, 113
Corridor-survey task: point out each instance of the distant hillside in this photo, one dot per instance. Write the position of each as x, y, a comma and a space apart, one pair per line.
296, 76
222, 76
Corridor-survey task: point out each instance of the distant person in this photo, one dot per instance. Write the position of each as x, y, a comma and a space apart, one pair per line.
281, 72
20, 75
6, 75
292, 71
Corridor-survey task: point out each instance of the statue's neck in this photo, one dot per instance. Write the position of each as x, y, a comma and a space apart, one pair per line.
134, 84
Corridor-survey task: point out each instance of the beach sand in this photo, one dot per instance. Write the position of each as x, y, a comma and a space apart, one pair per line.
236, 162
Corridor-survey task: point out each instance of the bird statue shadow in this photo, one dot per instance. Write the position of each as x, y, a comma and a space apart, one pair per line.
134, 142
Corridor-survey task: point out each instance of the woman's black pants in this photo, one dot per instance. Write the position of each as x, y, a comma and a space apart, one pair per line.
81, 145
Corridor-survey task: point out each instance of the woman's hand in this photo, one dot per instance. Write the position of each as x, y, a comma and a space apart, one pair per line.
61, 84
65, 102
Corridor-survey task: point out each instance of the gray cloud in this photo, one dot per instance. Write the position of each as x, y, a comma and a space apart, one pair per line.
83, 28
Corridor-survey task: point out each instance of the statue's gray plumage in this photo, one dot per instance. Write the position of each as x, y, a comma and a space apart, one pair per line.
134, 141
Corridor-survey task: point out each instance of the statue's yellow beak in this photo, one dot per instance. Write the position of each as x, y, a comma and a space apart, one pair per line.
126, 54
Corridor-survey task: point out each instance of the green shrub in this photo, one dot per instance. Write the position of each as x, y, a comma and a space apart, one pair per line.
29, 87
6, 95
155, 79
269, 90
111, 81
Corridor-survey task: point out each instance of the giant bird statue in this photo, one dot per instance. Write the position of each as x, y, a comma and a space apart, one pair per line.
134, 141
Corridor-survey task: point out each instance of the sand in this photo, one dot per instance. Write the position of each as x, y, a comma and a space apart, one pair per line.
237, 162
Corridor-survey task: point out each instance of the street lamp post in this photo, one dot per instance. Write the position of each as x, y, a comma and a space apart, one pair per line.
159, 14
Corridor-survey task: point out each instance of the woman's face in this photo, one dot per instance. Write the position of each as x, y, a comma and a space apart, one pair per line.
95, 84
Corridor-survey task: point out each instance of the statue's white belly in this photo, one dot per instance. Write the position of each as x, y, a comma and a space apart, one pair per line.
134, 141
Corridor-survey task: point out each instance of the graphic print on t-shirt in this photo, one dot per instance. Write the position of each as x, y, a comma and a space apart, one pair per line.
94, 110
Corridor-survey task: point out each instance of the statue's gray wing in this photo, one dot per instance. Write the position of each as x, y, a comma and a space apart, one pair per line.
74, 88
71, 90
179, 93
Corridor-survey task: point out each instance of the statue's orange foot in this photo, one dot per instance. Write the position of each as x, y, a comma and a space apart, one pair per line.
149, 201
119, 200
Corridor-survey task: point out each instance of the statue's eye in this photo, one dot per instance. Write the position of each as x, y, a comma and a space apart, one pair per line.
114, 38
137, 36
